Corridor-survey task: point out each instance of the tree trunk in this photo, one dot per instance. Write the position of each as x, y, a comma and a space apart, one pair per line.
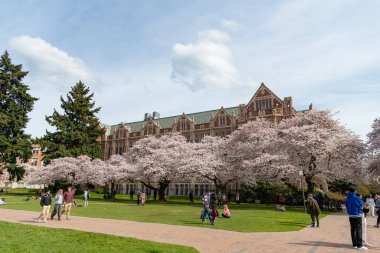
162, 189
309, 184
219, 187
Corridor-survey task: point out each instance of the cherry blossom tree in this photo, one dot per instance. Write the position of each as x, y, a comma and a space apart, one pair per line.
160, 161
320, 146
75, 171
374, 148
117, 170
249, 153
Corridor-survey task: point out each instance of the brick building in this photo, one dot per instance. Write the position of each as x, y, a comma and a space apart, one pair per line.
194, 126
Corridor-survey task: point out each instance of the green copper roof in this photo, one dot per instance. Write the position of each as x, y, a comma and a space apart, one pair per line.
167, 122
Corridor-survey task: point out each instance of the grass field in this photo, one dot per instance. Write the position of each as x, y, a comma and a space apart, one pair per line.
28, 238
245, 217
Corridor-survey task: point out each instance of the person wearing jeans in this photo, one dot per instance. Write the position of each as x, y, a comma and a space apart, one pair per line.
378, 217
58, 205
354, 207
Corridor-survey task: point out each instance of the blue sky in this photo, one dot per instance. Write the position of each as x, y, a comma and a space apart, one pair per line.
189, 56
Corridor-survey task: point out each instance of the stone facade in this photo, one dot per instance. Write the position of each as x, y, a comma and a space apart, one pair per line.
194, 126
35, 160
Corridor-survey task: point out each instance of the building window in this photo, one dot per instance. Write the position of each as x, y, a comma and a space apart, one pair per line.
222, 121
150, 130
264, 104
35, 150
34, 162
183, 126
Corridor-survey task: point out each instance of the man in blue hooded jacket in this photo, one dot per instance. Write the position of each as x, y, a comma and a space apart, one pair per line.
354, 207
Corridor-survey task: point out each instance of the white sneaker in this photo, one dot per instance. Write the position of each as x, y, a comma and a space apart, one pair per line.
45, 220
363, 248
355, 247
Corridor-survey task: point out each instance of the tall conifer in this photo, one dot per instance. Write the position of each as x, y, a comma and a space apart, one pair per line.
77, 128
15, 104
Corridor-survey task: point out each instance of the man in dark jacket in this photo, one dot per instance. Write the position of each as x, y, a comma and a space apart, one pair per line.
354, 207
313, 209
45, 202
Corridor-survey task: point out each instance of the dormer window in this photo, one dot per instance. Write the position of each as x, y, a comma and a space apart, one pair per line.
222, 121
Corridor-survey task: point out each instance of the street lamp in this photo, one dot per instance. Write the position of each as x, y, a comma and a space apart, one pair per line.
303, 191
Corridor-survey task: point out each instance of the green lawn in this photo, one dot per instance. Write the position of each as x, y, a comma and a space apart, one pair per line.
28, 238
245, 217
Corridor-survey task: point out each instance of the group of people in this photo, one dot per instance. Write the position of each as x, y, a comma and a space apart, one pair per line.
357, 211
61, 200
221, 199
210, 208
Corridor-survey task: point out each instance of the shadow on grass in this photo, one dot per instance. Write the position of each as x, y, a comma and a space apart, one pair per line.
295, 224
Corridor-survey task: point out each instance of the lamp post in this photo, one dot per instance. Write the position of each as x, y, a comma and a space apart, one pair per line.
303, 191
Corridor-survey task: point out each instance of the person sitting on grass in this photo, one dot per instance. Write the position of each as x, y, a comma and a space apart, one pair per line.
2, 202
226, 212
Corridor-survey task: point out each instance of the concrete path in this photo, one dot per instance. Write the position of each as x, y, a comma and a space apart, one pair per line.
333, 235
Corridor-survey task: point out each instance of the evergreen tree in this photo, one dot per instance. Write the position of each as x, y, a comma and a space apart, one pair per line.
77, 129
15, 104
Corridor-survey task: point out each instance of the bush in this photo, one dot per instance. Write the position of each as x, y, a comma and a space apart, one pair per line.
267, 192
100, 189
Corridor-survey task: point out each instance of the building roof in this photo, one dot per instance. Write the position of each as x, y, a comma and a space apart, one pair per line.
167, 122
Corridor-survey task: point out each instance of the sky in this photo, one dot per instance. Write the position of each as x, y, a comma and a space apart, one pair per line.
191, 56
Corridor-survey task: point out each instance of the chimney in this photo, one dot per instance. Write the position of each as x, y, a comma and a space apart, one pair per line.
156, 115
147, 116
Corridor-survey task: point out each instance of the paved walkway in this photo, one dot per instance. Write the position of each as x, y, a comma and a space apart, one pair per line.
333, 235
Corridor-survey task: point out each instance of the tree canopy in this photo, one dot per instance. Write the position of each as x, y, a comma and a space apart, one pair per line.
77, 128
15, 104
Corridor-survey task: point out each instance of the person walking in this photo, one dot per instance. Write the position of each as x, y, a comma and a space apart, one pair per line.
237, 199
213, 207
138, 198
354, 207
58, 205
378, 218
364, 225
191, 197
313, 209
45, 203
142, 198
68, 198
206, 209
371, 205
131, 192
86, 196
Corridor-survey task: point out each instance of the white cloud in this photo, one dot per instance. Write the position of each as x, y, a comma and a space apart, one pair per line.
231, 25
50, 63
207, 62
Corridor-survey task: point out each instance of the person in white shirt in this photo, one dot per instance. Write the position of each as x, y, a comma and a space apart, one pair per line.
371, 205
58, 205
86, 196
